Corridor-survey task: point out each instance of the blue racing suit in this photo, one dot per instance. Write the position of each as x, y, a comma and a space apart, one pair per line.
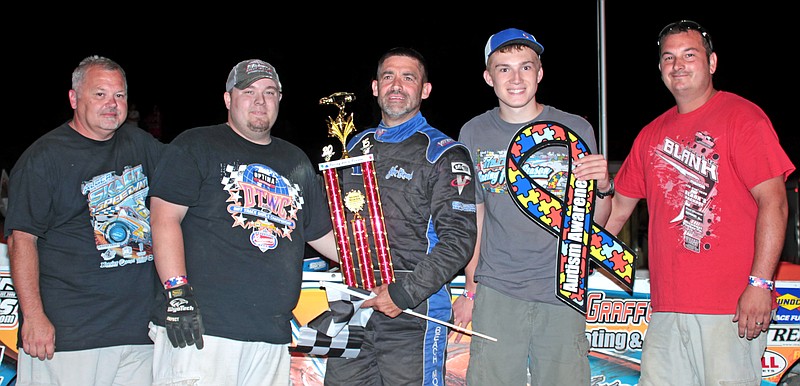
427, 194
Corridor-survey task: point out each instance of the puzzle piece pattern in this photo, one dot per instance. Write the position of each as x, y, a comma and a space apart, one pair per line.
555, 216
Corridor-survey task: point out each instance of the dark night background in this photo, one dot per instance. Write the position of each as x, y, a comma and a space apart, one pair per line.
179, 61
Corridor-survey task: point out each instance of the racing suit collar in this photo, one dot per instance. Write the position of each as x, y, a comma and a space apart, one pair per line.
402, 131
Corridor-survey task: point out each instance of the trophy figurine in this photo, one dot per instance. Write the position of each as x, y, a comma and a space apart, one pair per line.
341, 127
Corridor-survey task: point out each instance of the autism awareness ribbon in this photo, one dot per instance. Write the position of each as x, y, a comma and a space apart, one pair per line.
579, 238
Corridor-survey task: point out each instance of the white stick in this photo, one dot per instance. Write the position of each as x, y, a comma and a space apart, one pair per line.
343, 288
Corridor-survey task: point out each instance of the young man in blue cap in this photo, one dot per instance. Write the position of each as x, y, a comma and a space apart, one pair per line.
510, 281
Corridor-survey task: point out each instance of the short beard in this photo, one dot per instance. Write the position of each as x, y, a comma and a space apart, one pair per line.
259, 126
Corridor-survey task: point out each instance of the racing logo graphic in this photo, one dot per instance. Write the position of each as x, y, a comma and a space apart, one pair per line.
119, 217
772, 363
8, 303
366, 146
490, 170
546, 168
463, 175
569, 218
696, 162
262, 201
788, 298
398, 172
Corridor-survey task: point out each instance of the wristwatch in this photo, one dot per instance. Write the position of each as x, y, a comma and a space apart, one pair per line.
609, 192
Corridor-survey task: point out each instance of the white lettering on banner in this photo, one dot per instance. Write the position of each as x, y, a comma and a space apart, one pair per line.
620, 341
617, 311
787, 318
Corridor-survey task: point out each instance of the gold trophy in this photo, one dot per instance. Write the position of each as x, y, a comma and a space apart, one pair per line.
341, 127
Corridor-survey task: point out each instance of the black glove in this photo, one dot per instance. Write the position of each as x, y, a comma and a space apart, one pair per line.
184, 324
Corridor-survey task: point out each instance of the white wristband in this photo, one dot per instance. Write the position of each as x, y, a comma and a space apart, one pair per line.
761, 283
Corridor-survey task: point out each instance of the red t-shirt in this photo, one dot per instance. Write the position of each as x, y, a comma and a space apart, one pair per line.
695, 171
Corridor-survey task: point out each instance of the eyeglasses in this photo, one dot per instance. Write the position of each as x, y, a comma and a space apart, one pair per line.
686, 25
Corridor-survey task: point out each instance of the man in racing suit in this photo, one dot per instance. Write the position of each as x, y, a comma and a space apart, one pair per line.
428, 202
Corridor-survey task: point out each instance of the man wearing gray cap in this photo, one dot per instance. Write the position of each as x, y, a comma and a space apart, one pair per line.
233, 207
510, 280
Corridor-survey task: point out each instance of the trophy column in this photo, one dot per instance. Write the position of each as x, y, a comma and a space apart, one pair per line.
341, 127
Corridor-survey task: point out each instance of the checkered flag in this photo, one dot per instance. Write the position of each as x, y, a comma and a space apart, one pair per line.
339, 331
233, 174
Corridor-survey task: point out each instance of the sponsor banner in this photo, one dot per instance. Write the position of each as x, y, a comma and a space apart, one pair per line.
616, 325
616, 328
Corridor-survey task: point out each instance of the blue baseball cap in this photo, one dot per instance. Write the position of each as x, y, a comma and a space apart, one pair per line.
511, 36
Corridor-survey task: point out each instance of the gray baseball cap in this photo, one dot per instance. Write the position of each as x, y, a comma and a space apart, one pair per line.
248, 71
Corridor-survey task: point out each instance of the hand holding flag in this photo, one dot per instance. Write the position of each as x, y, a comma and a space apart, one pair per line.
343, 288
382, 302
339, 331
